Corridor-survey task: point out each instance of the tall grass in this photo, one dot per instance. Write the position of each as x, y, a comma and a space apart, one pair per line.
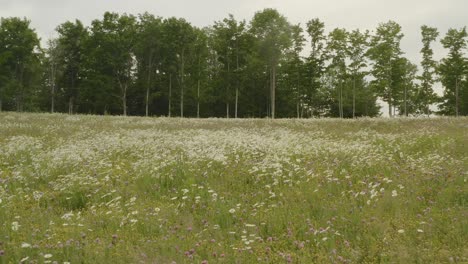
88, 189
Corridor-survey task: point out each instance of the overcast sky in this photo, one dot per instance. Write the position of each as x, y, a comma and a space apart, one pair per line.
45, 15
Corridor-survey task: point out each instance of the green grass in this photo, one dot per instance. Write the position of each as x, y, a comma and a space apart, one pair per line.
88, 189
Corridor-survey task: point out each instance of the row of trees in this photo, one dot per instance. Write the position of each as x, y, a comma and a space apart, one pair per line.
147, 65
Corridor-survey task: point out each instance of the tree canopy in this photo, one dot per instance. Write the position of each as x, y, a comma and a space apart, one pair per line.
126, 64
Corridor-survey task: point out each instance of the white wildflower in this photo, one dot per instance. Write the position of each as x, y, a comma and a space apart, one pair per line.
15, 226
232, 210
37, 195
25, 245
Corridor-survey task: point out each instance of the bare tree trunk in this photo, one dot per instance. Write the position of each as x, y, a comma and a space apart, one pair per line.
170, 94
20, 97
227, 110
273, 88
147, 101
406, 102
390, 106
52, 84
124, 100
390, 93
198, 98
456, 96
52, 103
297, 109
71, 99
341, 99
237, 78
354, 97
148, 84
182, 85
237, 101
228, 89
70, 105
198, 89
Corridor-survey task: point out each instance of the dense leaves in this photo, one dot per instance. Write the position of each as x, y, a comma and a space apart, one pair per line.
146, 65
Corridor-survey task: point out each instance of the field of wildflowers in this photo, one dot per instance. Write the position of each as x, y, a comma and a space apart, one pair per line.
88, 189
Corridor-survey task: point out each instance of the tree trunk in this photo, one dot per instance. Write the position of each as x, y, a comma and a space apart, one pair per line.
147, 101
228, 89
124, 100
227, 110
297, 109
273, 88
148, 84
70, 105
52, 103
52, 80
341, 99
20, 97
456, 96
182, 85
406, 102
198, 89
237, 101
354, 97
170, 94
237, 78
71, 99
198, 98
390, 106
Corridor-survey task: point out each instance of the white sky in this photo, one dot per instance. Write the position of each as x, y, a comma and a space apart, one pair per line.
46, 15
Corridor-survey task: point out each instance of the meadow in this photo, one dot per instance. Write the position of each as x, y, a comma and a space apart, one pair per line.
102, 189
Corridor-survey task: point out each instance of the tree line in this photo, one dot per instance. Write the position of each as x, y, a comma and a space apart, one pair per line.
147, 65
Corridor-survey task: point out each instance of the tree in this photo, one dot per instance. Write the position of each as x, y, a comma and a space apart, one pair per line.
148, 52
273, 33
179, 37
229, 37
314, 93
337, 50
426, 95
451, 70
115, 37
54, 53
357, 47
405, 89
200, 63
294, 69
19, 60
384, 50
71, 43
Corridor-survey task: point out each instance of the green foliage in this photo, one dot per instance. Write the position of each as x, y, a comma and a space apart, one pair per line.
452, 71
100, 189
384, 51
426, 95
19, 64
147, 65
273, 34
